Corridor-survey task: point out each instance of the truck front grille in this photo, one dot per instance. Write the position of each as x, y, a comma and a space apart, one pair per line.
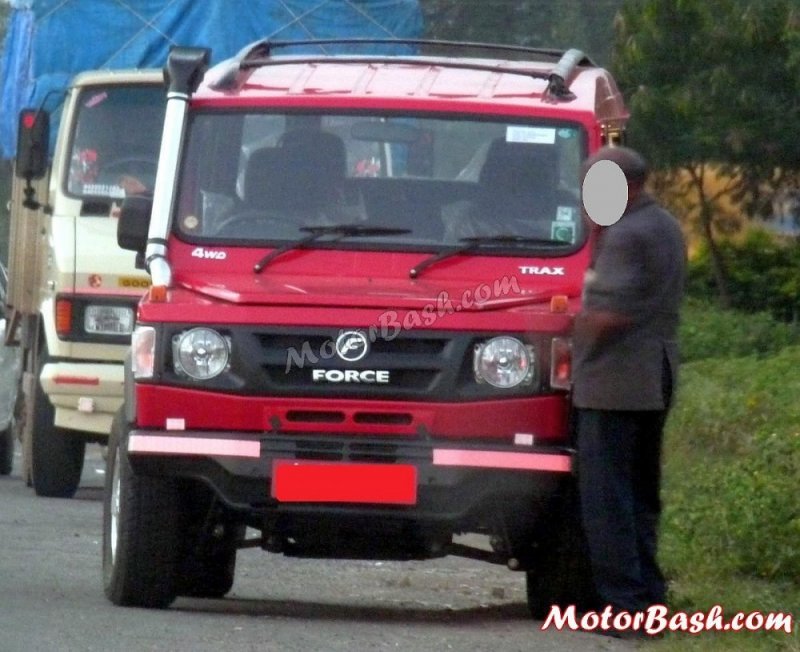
422, 366
416, 365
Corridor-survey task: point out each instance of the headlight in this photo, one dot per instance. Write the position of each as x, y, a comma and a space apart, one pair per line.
503, 362
108, 320
200, 353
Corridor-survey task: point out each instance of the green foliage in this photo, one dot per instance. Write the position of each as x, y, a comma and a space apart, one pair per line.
731, 521
732, 455
741, 513
583, 24
712, 81
709, 332
763, 275
723, 403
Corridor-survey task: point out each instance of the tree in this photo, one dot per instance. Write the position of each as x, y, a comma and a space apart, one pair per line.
713, 85
5, 9
583, 24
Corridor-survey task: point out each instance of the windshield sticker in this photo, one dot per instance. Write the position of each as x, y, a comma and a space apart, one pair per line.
567, 133
97, 98
103, 190
565, 213
563, 231
532, 135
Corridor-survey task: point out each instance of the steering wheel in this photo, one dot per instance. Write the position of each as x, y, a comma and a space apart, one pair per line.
132, 165
256, 222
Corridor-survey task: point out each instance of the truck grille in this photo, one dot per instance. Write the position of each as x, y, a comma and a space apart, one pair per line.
414, 365
417, 364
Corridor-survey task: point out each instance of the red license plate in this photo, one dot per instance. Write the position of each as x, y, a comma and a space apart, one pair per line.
296, 481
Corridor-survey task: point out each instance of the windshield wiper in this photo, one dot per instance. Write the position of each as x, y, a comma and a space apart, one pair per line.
472, 243
315, 233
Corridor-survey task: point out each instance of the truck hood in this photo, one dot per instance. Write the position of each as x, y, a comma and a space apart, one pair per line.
352, 291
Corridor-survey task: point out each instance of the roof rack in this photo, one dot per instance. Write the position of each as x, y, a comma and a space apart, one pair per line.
259, 53
263, 48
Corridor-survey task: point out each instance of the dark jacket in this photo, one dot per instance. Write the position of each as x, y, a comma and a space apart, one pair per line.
639, 271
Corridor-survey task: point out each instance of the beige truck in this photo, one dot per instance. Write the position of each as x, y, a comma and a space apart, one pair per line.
72, 292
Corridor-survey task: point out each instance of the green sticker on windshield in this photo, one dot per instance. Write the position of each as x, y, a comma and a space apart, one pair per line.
563, 231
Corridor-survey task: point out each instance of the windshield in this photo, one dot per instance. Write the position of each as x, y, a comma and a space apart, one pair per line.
255, 177
115, 141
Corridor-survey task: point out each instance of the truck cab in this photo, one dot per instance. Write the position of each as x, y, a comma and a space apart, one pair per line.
357, 340
73, 291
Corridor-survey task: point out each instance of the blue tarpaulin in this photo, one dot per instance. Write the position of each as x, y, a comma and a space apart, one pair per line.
49, 41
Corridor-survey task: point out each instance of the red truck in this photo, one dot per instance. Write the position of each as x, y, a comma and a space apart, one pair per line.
365, 270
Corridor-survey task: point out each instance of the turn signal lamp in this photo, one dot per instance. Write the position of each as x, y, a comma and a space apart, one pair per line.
561, 363
158, 293
143, 351
559, 303
63, 317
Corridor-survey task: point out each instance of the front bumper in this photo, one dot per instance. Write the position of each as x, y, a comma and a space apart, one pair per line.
85, 395
418, 479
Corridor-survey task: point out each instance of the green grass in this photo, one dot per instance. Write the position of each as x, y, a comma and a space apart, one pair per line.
731, 523
708, 332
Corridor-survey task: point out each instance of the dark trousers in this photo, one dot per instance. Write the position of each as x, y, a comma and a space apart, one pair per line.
619, 474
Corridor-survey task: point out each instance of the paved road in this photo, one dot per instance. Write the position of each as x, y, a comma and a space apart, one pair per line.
51, 596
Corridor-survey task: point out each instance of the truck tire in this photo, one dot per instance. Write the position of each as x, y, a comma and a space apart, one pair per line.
140, 530
209, 574
562, 573
6, 450
208, 555
56, 453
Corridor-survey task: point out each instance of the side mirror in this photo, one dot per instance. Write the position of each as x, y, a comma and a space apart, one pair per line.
134, 223
33, 140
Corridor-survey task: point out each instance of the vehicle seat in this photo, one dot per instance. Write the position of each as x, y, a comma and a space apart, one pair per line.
302, 177
517, 193
518, 181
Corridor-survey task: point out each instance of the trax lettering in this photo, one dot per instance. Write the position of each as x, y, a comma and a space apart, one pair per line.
350, 376
541, 271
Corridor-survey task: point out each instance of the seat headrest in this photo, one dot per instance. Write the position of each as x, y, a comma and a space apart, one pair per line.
520, 167
321, 152
302, 173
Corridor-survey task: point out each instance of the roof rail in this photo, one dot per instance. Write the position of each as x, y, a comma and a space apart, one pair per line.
259, 54
264, 47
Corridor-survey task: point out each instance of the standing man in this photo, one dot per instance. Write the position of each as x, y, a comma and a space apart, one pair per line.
625, 360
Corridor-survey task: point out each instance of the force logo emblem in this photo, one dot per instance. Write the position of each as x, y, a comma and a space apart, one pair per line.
351, 346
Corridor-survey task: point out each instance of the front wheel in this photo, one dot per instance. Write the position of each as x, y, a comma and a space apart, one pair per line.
56, 454
562, 573
6, 450
209, 572
140, 530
